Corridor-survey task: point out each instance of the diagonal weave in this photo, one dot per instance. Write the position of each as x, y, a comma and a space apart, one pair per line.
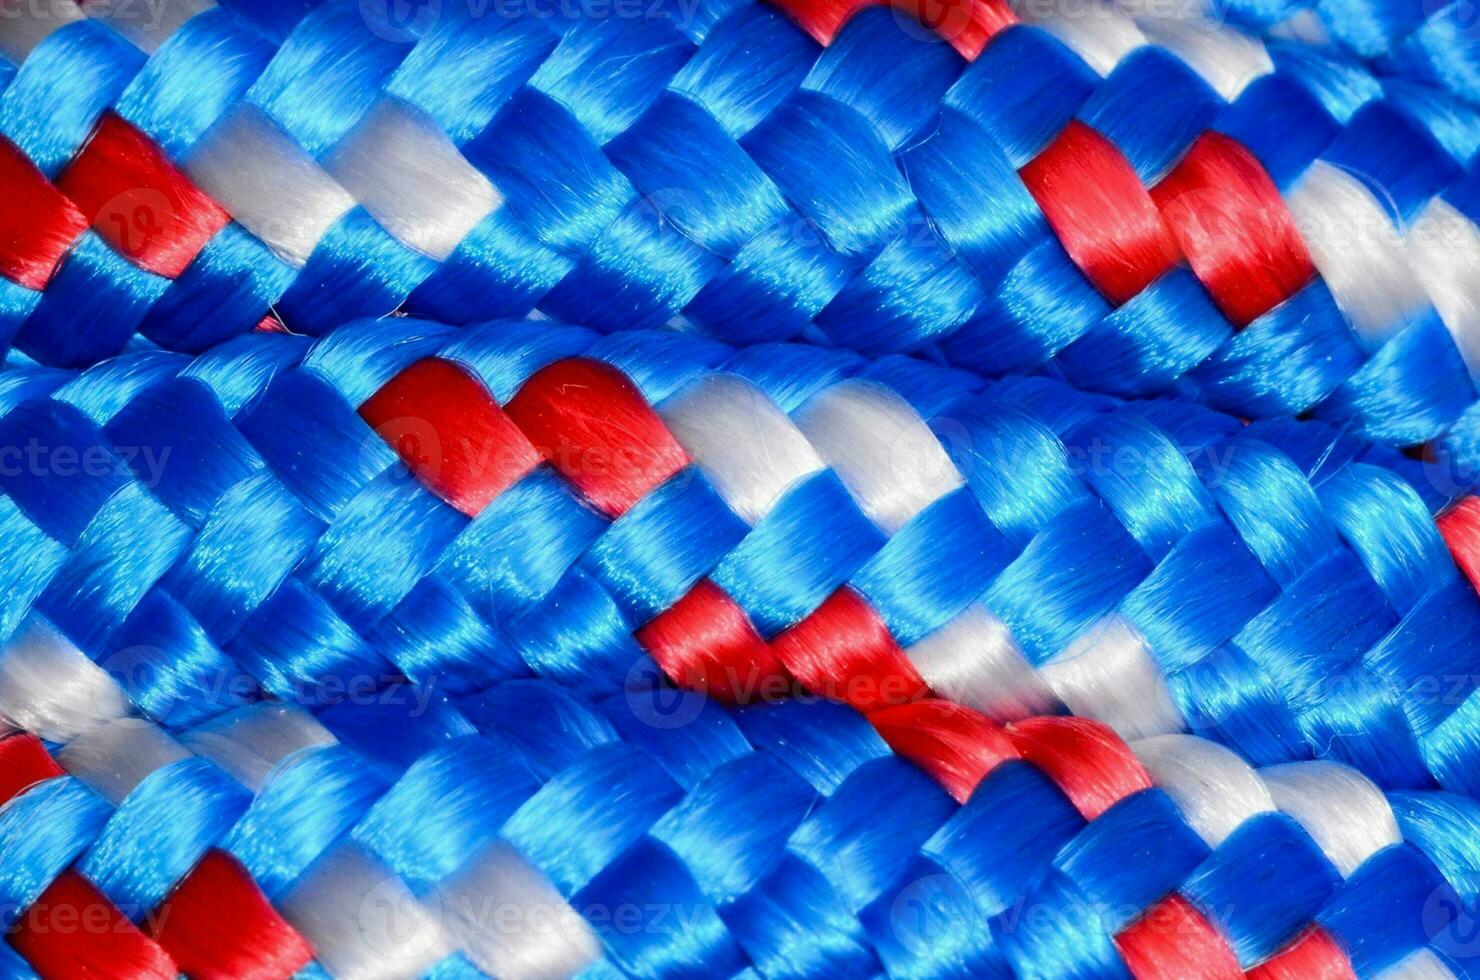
1141, 205
532, 832
211, 530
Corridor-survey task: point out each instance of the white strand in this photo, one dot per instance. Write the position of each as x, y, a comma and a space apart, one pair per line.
1444, 247
1304, 26
25, 25
1421, 965
365, 923
50, 687
1101, 35
411, 178
882, 450
1143, 10
1228, 60
147, 24
747, 447
362, 920
1344, 813
249, 742
511, 922
1108, 674
975, 660
118, 755
267, 183
1215, 789
1357, 250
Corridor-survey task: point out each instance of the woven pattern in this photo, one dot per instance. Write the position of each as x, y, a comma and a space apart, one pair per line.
1433, 42
1140, 206
1429, 42
356, 657
245, 523
787, 840
270, 838
529, 831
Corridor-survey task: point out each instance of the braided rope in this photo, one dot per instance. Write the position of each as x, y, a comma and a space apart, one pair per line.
242, 524
657, 467
786, 839
1307, 237
1431, 42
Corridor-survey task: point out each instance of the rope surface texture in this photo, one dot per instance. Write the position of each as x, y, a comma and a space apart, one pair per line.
530, 832
1140, 205
213, 530
1432, 42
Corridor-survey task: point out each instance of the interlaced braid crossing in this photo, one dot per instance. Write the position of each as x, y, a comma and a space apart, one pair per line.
384, 841
352, 657
753, 520
1142, 205
1433, 42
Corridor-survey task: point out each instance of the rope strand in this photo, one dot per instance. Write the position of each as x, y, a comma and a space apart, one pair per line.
784, 839
1141, 205
406, 501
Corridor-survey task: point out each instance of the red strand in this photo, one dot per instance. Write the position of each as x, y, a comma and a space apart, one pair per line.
24, 762
138, 201
596, 429
218, 926
1173, 941
1460, 528
1101, 213
705, 642
1084, 758
1232, 224
1314, 956
72, 932
38, 224
957, 746
449, 432
844, 651
967, 24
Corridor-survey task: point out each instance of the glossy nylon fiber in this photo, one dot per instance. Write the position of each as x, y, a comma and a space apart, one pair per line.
406, 501
529, 831
1139, 204
1434, 42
